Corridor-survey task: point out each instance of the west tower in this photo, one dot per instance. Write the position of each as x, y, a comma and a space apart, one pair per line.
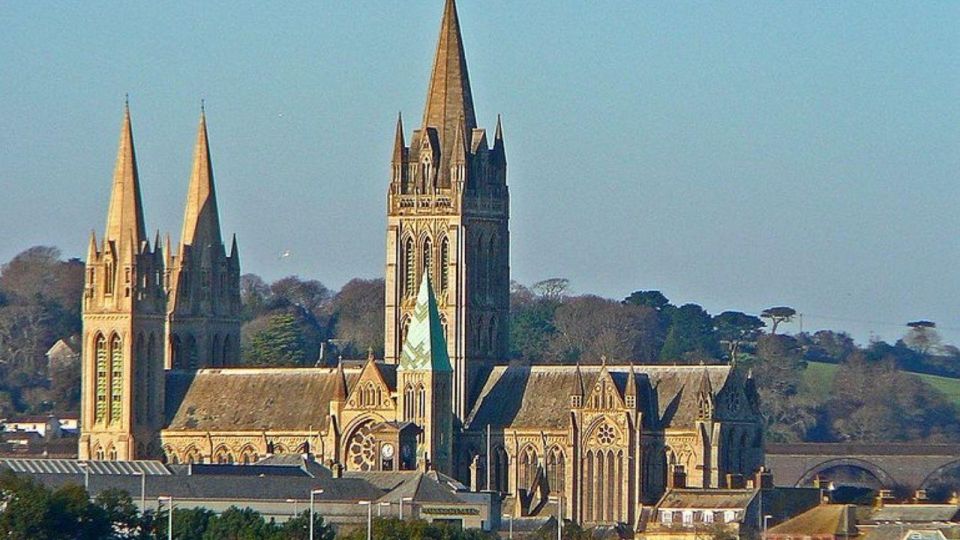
203, 283
123, 313
447, 218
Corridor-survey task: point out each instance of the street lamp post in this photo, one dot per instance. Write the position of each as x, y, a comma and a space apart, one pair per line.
143, 490
509, 519
294, 503
86, 475
559, 499
369, 505
313, 492
766, 519
410, 499
169, 500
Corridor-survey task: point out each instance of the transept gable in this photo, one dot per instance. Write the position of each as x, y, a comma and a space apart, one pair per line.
371, 389
605, 395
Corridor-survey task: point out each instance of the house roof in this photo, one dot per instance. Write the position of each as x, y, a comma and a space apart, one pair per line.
538, 396
293, 399
915, 513
706, 499
825, 519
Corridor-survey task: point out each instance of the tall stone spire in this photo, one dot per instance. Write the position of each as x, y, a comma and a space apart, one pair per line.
449, 94
201, 221
399, 146
125, 216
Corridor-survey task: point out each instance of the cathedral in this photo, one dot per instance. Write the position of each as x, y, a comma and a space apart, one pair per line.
161, 328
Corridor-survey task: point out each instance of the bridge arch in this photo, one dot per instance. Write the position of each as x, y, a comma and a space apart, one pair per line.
934, 474
870, 468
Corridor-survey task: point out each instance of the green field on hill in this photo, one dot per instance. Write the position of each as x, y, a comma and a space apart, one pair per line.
820, 377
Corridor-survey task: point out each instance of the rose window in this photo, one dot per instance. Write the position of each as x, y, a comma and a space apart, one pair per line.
361, 449
606, 434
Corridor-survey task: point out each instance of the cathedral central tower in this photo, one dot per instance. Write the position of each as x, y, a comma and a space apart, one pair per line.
447, 218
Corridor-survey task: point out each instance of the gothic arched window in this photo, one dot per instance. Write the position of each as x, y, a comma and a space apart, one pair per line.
139, 377
421, 401
116, 379
408, 398
491, 269
100, 349
409, 268
528, 467
149, 370
428, 258
556, 469
501, 467
444, 266
191, 352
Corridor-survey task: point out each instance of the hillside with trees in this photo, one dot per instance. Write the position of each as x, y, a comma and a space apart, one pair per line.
871, 392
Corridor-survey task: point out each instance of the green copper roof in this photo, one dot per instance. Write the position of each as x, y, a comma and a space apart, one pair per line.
425, 348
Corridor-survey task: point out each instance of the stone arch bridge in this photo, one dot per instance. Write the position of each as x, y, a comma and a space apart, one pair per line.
892, 464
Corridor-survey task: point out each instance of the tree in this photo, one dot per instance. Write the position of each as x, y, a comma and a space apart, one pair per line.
651, 299
121, 513
552, 289
254, 295
691, 336
31, 511
280, 343
922, 336
733, 328
589, 327
873, 401
416, 529
237, 524
789, 412
310, 295
358, 316
778, 315
298, 528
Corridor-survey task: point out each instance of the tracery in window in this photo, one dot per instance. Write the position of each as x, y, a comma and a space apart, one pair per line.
100, 349
428, 258
409, 268
444, 267
116, 379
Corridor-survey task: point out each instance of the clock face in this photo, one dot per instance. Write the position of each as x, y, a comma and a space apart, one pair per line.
386, 451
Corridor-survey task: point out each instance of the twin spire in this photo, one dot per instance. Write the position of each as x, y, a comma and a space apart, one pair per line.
125, 216
201, 221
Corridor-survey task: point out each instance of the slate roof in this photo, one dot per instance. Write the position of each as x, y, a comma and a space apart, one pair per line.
826, 519
242, 482
539, 396
292, 399
706, 499
916, 513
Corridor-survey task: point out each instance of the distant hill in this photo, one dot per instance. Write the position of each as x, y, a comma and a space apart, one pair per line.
819, 376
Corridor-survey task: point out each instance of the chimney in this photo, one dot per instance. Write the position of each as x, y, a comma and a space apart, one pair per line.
921, 495
475, 474
337, 470
677, 479
735, 481
764, 478
883, 496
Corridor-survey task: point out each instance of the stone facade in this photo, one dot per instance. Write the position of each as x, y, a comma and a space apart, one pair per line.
146, 310
605, 438
447, 215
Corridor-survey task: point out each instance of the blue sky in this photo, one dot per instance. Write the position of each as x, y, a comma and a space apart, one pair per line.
739, 155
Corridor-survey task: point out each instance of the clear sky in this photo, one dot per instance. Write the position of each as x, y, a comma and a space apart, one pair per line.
735, 154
